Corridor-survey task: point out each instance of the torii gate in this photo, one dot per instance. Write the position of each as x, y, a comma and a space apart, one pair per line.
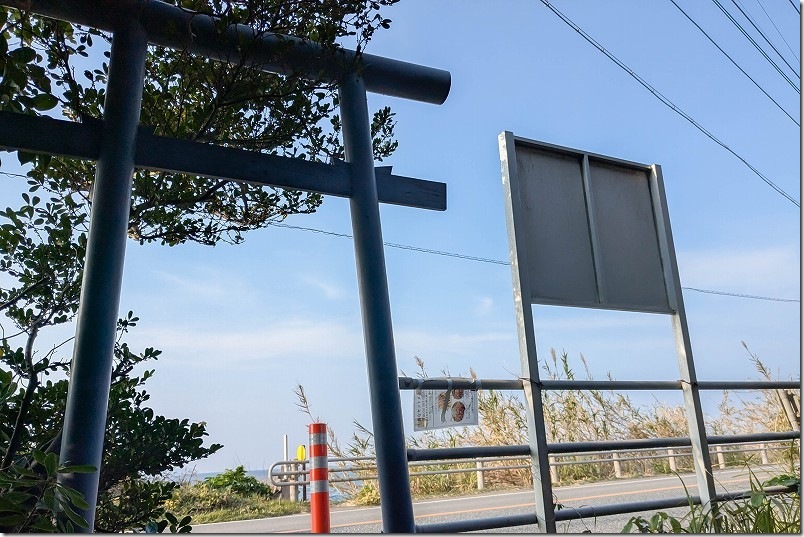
119, 144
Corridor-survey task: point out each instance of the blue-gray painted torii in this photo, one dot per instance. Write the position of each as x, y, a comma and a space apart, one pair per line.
120, 144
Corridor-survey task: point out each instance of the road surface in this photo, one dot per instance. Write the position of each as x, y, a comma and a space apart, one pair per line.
494, 504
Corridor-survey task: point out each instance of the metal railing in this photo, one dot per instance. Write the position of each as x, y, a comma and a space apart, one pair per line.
555, 451
294, 473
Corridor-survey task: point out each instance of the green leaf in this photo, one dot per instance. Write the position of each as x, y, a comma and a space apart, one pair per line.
16, 497
757, 499
38, 457
25, 157
8, 505
8, 521
51, 463
74, 517
44, 525
45, 101
74, 496
23, 55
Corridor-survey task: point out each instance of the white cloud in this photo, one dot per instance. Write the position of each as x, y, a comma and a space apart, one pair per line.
331, 291
202, 285
483, 305
453, 343
292, 340
766, 270
577, 320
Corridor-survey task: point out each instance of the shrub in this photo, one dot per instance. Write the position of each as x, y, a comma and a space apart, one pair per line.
239, 482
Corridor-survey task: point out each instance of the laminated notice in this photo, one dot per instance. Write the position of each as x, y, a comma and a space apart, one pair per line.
438, 409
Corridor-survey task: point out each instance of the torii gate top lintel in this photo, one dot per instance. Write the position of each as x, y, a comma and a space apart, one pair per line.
173, 27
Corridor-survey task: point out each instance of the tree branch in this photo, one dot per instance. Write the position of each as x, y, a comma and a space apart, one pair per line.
33, 382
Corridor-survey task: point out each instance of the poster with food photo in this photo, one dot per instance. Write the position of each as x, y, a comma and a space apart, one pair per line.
438, 409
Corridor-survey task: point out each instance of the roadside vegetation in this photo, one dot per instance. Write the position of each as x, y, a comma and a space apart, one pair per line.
571, 416
760, 512
231, 495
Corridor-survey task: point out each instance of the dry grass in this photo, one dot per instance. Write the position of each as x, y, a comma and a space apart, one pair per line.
570, 416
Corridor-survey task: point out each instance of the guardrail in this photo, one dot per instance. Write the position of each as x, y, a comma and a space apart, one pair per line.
295, 473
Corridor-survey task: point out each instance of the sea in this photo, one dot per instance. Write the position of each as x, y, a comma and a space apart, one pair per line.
335, 495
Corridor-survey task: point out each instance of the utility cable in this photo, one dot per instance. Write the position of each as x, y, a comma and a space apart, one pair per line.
667, 102
756, 45
778, 31
470, 257
795, 6
735, 64
507, 263
761, 33
739, 295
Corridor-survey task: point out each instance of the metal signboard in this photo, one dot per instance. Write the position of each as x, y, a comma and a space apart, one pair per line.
439, 409
588, 228
591, 231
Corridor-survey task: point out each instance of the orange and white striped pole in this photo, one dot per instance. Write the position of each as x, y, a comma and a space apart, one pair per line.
319, 479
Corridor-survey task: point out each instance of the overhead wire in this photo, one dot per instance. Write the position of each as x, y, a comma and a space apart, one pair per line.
762, 34
508, 263
667, 102
778, 31
464, 256
795, 6
735, 63
756, 46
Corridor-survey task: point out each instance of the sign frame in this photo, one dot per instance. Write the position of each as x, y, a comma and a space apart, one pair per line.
523, 301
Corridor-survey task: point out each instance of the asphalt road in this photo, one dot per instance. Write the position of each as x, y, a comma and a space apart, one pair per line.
496, 504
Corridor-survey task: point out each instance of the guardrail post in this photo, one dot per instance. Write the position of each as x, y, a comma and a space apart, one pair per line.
294, 489
763, 452
304, 478
319, 479
721, 459
553, 469
618, 470
481, 481
671, 458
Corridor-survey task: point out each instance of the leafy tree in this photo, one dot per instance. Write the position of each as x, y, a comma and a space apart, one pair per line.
48, 238
43, 242
194, 98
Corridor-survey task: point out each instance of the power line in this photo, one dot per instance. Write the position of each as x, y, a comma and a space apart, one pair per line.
740, 295
735, 63
463, 256
761, 33
756, 45
795, 6
778, 31
508, 263
667, 102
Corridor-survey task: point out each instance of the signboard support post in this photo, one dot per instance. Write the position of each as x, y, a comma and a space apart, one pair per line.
537, 434
692, 398
90, 378
587, 230
375, 306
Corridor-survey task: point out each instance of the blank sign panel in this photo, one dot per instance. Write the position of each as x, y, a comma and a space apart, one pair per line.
583, 228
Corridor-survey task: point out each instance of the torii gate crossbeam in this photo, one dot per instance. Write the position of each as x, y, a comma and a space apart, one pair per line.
136, 23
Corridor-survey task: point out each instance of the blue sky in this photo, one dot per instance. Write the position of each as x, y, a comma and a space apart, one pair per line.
240, 326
